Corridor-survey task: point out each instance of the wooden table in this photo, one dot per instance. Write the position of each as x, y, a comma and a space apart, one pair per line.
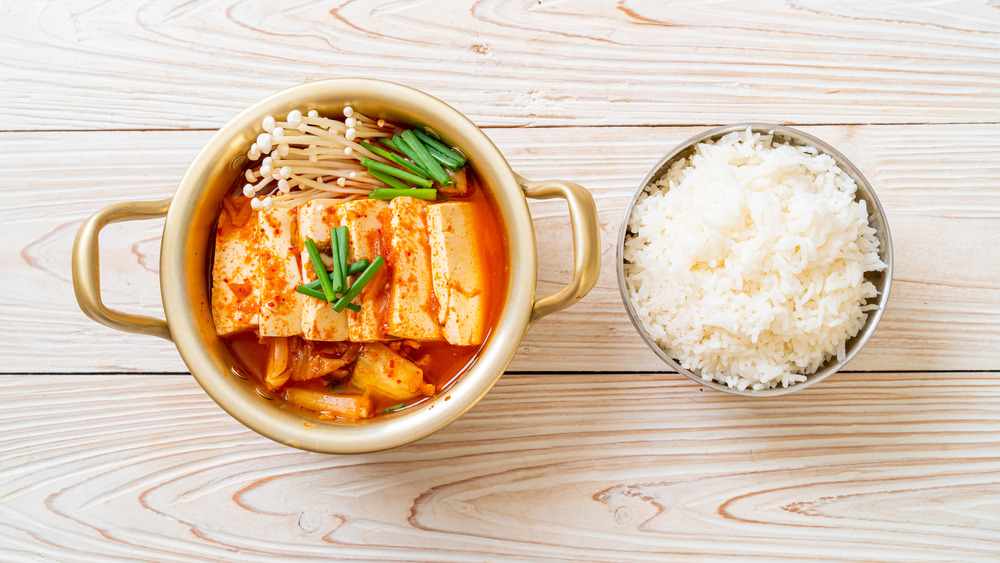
588, 448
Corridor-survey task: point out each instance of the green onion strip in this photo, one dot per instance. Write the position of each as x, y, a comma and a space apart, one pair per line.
387, 180
393, 171
396, 158
341, 255
450, 164
440, 151
394, 407
404, 147
390, 143
418, 193
357, 267
320, 269
311, 291
337, 276
353, 269
359, 284
427, 162
377, 150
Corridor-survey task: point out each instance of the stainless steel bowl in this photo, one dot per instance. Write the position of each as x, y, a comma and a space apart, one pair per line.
881, 280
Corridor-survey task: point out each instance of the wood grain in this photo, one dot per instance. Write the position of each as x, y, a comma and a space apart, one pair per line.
936, 182
193, 64
625, 467
581, 452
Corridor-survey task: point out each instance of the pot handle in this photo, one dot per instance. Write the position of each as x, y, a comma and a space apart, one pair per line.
586, 242
87, 267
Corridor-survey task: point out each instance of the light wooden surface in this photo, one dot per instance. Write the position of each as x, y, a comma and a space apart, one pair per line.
588, 449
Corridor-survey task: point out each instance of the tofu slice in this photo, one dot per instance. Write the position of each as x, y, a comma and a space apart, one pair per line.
457, 270
278, 274
319, 320
315, 219
364, 220
412, 306
235, 304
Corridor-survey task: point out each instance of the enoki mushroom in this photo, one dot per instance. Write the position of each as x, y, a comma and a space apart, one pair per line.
309, 157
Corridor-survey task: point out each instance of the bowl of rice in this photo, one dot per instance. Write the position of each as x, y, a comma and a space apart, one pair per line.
755, 259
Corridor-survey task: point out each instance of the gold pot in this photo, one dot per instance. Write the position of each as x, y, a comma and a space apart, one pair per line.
185, 248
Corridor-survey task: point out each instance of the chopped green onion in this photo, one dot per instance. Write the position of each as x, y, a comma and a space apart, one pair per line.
389, 143
450, 164
359, 284
419, 193
305, 290
357, 267
396, 158
377, 150
404, 147
436, 146
392, 170
337, 277
425, 159
387, 180
320, 268
409, 165
341, 256
311, 292
394, 407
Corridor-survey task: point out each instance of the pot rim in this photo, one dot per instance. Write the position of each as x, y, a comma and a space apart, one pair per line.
877, 219
186, 307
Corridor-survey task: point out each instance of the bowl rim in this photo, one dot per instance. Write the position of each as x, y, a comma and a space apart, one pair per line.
865, 190
195, 337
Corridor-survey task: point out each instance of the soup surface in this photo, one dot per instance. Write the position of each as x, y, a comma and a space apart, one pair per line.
413, 284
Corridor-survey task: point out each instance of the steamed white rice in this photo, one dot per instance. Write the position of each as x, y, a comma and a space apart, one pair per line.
746, 261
